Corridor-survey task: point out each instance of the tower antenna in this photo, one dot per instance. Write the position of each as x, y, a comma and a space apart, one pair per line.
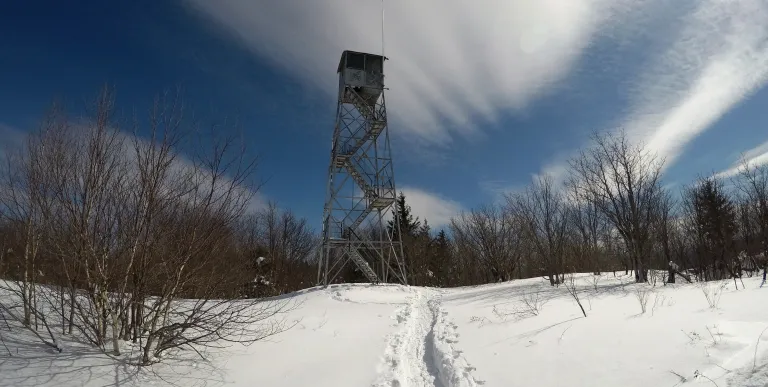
382, 29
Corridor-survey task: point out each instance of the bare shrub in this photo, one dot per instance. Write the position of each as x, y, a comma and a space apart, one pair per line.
716, 336
123, 238
533, 302
642, 294
529, 305
503, 314
570, 284
757, 344
596, 280
698, 374
478, 319
658, 302
712, 291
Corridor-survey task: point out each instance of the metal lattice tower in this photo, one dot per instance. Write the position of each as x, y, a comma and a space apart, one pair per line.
361, 184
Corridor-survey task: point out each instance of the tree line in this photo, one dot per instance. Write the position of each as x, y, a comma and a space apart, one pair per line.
611, 212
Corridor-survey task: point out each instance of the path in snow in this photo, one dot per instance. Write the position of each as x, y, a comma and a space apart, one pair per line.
421, 353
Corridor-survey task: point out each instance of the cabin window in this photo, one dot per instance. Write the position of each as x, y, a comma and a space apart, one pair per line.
355, 61
373, 65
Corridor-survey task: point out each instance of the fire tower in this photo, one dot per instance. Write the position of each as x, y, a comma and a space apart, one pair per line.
361, 192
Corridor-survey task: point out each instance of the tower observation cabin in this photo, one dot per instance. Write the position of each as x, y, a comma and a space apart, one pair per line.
363, 73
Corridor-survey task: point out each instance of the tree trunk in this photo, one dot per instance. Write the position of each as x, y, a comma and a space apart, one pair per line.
641, 273
25, 287
63, 312
115, 332
72, 295
552, 280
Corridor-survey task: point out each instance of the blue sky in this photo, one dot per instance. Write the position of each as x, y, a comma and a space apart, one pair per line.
483, 95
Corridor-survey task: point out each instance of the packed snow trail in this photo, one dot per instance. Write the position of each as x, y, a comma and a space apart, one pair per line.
421, 352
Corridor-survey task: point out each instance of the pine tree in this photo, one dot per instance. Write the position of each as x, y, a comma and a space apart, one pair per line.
409, 232
441, 260
408, 224
715, 225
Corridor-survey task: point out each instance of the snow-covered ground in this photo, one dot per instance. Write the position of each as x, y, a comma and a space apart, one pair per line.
396, 336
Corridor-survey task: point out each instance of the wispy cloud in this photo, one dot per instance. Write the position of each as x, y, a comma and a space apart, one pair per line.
454, 62
499, 189
756, 156
437, 209
717, 58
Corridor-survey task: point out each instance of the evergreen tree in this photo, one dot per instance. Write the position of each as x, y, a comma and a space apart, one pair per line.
408, 224
416, 240
714, 220
441, 260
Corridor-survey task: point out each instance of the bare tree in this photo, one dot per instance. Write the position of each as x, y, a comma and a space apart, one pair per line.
589, 229
544, 216
670, 242
752, 181
279, 245
21, 206
488, 236
622, 180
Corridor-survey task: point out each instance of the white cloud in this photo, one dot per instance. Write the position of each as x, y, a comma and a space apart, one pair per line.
456, 63
452, 61
717, 58
756, 156
426, 205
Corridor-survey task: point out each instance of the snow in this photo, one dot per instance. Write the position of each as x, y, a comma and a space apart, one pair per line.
616, 344
399, 336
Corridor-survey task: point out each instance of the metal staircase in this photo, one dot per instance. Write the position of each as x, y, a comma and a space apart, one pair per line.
372, 128
369, 191
376, 125
363, 265
344, 158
